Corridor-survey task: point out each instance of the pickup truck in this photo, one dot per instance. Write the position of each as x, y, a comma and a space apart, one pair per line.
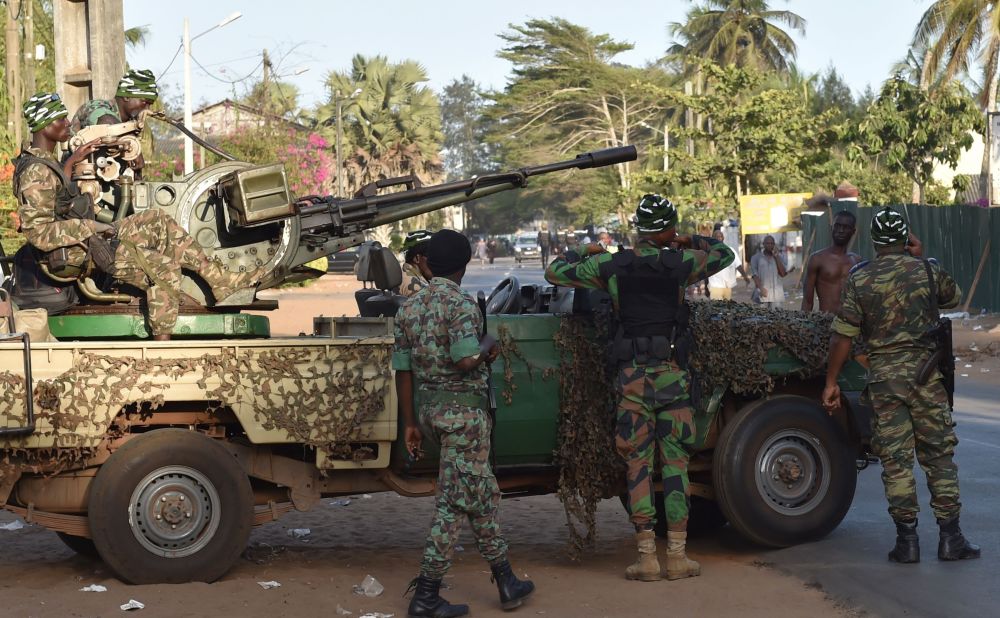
160, 457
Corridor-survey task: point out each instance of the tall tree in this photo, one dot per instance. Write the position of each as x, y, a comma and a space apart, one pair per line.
568, 94
467, 151
912, 128
393, 122
746, 33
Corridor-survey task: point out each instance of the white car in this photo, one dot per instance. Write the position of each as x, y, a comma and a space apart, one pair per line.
526, 247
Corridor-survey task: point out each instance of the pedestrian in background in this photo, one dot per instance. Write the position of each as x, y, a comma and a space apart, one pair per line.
721, 284
767, 267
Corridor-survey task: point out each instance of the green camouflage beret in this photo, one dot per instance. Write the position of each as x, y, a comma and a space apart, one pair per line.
654, 214
414, 238
42, 109
138, 84
889, 228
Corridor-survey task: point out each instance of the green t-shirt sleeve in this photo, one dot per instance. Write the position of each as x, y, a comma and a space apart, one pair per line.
463, 332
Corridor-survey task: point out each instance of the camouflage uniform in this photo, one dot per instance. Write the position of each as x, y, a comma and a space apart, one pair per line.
436, 328
92, 111
654, 413
887, 301
413, 281
153, 248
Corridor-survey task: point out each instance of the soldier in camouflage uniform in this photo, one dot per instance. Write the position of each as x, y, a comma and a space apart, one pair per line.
438, 348
646, 285
888, 302
153, 248
414, 262
137, 91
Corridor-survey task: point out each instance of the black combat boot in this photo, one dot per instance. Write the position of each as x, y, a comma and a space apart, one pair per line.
907, 549
513, 591
427, 603
952, 544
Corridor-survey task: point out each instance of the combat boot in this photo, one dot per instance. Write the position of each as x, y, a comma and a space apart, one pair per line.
512, 590
427, 602
647, 567
678, 564
907, 549
228, 288
952, 544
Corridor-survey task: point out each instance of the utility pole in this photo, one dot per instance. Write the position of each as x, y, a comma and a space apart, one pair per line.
90, 54
12, 40
265, 89
29, 48
188, 121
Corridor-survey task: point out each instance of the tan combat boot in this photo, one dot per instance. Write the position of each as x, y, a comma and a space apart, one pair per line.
228, 287
678, 564
647, 567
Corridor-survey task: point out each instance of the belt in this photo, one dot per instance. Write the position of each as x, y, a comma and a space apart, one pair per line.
472, 400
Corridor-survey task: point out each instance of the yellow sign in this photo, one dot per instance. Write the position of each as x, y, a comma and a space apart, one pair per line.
770, 213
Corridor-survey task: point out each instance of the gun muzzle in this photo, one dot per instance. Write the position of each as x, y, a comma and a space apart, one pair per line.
608, 156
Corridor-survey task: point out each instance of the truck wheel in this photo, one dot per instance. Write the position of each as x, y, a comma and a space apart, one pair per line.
81, 545
784, 472
170, 506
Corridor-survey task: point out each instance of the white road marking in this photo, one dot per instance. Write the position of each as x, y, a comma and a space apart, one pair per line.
980, 443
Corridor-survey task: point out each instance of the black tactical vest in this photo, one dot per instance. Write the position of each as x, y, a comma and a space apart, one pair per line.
649, 291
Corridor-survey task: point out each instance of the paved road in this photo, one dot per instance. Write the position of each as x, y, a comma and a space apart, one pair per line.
486, 277
851, 563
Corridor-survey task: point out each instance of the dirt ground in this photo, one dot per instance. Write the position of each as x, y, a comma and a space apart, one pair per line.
382, 535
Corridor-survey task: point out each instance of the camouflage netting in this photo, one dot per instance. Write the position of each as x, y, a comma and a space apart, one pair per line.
732, 344
320, 396
732, 341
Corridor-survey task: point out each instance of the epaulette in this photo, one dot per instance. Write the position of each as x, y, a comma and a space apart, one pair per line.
858, 267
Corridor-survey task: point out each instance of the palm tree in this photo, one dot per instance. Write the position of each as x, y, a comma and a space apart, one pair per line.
137, 36
746, 33
957, 34
393, 122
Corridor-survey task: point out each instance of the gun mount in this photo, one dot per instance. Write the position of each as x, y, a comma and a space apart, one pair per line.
246, 216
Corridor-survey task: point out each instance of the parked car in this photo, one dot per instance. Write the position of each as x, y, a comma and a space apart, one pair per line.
526, 247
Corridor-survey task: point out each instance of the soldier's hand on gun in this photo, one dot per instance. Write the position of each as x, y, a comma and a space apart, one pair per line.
594, 248
488, 346
914, 247
104, 229
682, 241
831, 398
412, 437
78, 155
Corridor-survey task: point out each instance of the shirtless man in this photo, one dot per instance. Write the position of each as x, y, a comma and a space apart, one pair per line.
828, 268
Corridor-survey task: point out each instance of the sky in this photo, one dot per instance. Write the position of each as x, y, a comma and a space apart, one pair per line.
861, 38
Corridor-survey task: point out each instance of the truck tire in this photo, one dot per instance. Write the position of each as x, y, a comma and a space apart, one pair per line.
170, 506
784, 472
79, 544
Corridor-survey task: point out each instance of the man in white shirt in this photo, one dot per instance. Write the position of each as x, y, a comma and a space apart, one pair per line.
767, 268
721, 284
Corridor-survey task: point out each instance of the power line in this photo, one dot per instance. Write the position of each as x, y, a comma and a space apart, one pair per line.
226, 81
176, 53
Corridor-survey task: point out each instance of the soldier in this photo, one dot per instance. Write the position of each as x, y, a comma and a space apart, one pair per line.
889, 302
151, 249
646, 285
438, 347
414, 262
137, 91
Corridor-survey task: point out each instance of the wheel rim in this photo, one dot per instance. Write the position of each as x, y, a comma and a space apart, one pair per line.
793, 472
174, 511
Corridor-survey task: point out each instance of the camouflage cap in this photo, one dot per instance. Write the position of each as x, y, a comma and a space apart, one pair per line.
654, 214
43, 109
138, 84
414, 238
889, 228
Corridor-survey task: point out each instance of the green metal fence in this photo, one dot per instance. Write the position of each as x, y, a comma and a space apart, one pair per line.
956, 235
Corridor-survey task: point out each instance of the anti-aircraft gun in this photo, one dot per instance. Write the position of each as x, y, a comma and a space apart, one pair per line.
246, 216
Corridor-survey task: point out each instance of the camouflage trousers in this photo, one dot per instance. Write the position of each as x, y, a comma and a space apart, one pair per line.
911, 418
153, 251
466, 486
655, 417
